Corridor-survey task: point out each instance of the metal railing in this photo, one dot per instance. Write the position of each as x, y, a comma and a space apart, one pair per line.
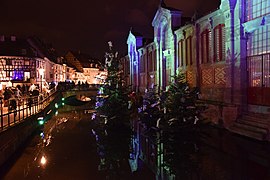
16, 110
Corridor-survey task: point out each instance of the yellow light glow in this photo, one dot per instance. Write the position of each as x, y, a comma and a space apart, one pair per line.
43, 160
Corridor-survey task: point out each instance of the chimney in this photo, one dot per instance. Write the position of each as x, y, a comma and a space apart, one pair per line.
2, 38
13, 38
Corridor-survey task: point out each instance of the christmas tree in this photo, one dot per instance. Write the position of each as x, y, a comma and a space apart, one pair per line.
112, 102
112, 120
181, 126
150, 112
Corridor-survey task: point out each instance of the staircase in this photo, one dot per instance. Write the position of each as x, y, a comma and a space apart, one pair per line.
253, 125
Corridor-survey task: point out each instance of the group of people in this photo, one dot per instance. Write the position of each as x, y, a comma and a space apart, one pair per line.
13, 96
10, 97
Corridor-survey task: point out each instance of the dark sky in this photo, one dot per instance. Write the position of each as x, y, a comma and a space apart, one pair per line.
87, 25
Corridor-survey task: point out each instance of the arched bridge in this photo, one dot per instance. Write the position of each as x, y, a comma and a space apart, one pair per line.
79, 97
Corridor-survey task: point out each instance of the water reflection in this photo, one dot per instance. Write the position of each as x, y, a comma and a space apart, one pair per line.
216, 154
70, 147
43, 160
113, 148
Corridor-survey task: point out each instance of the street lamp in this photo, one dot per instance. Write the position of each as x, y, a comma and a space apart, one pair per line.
41, 73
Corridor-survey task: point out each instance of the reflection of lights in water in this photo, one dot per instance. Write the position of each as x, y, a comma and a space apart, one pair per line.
56, 113
43, 160
49, 140
41, 135
49, 111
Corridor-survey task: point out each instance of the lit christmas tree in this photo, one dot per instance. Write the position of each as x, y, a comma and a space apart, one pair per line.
150, 113
112, 102
112, 120
180, 126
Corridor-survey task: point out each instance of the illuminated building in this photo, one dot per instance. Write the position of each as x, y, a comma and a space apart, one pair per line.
17, 61
88, 69
225, 54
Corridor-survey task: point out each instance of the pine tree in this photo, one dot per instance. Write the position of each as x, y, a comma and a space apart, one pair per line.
112, 102
149, 113
112, 121
181, 127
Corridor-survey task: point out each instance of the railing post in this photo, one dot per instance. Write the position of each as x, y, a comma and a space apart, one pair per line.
2, 116
8, 115
23, 103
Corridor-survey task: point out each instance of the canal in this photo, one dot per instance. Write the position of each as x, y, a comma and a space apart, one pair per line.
65, 148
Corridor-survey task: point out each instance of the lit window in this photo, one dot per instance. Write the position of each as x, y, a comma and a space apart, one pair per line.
258, 50
219, 43
205, 46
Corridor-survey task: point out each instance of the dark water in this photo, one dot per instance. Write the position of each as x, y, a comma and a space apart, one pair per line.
65, 149
229, 156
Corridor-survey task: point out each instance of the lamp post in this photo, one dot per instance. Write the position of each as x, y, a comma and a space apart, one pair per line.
41, 73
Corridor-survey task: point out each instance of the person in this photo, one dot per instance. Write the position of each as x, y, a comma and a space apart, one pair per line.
12, 104
7, 95
29, 103
32, 88
18, 93
1, 94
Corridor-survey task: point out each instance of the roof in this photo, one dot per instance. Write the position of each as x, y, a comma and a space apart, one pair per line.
43, 49
16, 47
85, 59
163, 5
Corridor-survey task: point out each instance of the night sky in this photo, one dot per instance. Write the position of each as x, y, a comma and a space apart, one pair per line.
88, 25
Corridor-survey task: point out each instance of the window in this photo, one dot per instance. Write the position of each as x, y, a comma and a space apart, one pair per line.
180, 53
189, 51
8, 62
257, 8
155, 59
258, 50
150, 62
142, 63
205, 46
259, 41
259, 70
127, 66
23, 51
9, 73
26, 75
219, 43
